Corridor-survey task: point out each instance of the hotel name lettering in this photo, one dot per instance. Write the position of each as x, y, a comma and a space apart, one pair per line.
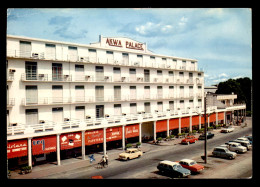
129, 45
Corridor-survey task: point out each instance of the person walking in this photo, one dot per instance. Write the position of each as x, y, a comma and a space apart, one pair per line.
106, 159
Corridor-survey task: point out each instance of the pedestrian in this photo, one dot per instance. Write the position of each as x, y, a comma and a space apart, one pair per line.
106, 159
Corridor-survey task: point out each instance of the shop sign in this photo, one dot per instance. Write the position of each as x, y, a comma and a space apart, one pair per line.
43, 145
131, 131
113, 134
94, 137
128, 44
70, 140
17, 148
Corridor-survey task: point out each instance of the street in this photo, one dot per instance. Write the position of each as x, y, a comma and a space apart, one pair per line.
145, 167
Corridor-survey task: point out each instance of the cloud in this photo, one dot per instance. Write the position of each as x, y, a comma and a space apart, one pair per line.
66, 28
153, 29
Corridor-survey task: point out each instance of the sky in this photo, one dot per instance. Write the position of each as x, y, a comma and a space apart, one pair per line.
219, 38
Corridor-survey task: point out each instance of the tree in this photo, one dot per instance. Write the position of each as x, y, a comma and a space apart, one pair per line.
241, 87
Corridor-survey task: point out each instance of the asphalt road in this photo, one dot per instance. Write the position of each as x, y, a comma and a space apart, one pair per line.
144, 166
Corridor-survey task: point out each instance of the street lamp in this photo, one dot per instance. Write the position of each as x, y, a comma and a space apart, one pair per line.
205, 126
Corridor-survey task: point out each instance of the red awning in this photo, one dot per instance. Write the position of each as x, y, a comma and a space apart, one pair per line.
174, 123
17, 148
114, 133
221, 116
94, 137
44, 144
131, 131
70, 140
195, 120
161, 126
185, 122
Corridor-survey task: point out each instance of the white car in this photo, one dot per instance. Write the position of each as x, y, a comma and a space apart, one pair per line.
236, 147
228, 129
243, 139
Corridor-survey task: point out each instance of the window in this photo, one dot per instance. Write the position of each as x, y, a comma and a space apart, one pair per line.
79, 94
160, 106
117, 74
132, 73
147, 108
147, 92
57, 71
117, 93
57, 115
31, 94
99, 73
80, 112
50, 51
25, 49
57, 94
132, 92
159, 92
99, 111
171, 105
117, 110
72, 53
31, 116
133, 108
125, 58
146, 75
99, 93
31, 70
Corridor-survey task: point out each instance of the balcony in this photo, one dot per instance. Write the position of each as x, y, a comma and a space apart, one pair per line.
10, 76
12, 53
10, 102
46, 77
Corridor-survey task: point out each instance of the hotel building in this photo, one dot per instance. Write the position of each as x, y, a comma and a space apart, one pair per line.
62, 95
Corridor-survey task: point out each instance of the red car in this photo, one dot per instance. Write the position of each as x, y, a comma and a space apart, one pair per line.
191, 165
189, 139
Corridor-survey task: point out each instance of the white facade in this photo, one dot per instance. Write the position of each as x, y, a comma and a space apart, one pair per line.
55, 81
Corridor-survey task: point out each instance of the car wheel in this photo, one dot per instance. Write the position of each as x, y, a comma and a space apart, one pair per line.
128, 158
230, 157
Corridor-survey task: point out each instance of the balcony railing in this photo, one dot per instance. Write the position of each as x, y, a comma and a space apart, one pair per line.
87, 124
100, 60
105, 78
10, 102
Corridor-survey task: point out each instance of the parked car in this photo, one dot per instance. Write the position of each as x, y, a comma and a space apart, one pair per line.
250, 138
173, 168
224, 145
243, 143
130, 153
228, 129
223, 152
189, 139
236, 147
209, 135
244, 139
191, 165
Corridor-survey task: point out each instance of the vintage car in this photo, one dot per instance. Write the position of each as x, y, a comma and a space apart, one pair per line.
250, 138
191, 165
189, 139
243, 143
130, 153
244, 139
228, 129
209, 135
236, 147
173, 168
223, 152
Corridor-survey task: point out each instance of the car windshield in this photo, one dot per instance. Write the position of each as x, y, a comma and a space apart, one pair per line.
127, 151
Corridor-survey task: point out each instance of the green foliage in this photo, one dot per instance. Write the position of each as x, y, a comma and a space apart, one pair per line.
241, 87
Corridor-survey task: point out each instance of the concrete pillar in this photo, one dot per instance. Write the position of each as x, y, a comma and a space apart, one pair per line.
123, 137
199, 121
83, 151
216, 118
154, 130
58, 149
140, 132
208, 120
191, 123
168, 129
104, 140
180, 125
30, 151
